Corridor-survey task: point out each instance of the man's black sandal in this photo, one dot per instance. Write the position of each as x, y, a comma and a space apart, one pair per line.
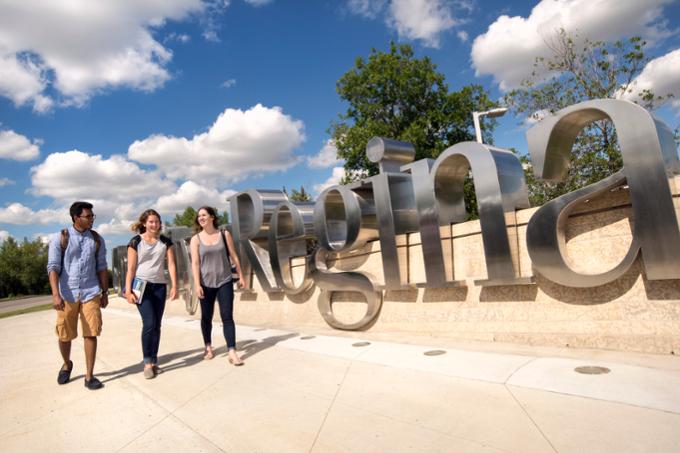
65, 375
93, 383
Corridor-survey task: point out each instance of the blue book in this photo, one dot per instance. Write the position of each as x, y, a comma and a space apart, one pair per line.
138, 287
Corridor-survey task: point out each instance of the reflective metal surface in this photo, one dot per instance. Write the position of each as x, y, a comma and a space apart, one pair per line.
649, 159
292, 229
344, 218
270, 231
119, 268
330, 282
251, 213
428, 224
500, 189
394, 204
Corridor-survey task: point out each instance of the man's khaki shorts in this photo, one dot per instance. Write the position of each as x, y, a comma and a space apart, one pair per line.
90, 319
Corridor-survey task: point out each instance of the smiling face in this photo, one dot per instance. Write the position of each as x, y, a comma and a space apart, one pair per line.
153, 224
204, 218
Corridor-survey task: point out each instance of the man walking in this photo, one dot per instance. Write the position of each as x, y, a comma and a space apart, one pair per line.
76, 267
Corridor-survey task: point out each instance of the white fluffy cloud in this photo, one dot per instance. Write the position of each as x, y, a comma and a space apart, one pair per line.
17, 147
366, 8
661, 76
239, 144
195, 195
327, 157
258, 2
76, 175
509, 47
4, 235
6, 182
81, 47
335, 178
423, 20
18, 214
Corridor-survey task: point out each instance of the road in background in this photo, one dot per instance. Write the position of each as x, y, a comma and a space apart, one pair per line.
26, 302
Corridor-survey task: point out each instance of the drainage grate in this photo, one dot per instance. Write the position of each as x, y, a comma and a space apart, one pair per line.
361, 344
308, 337
592, 370
434, 352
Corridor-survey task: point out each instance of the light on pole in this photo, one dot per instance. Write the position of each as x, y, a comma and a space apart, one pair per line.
493, 113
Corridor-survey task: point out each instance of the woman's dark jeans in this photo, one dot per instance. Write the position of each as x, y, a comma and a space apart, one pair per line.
225, 299
151, 309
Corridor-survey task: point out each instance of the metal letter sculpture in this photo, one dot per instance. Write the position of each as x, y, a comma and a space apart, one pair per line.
649, 160
425, 196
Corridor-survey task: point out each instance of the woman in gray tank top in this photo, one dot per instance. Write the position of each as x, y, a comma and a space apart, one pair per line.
211, 268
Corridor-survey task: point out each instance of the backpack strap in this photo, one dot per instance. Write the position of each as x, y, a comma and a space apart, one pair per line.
98, 239
64, 244
63, 241
166, 240
226, 247
134, 242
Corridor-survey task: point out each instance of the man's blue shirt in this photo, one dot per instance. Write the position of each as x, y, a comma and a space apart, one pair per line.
78, 281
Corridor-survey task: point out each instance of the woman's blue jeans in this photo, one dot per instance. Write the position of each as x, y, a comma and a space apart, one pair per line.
225, 299
151, 309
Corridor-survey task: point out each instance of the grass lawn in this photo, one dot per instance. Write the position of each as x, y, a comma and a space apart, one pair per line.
21, 311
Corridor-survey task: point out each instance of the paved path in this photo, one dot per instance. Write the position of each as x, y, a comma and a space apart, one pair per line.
26, 302
321, 391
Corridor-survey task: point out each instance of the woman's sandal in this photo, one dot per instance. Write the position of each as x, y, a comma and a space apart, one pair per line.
238, 362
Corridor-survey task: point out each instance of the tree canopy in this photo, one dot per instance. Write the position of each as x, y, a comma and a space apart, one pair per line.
396, 95
299, 195
580, 72
188, 216
23, 268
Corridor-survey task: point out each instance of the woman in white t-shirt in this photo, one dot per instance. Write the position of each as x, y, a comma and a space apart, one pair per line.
147, 252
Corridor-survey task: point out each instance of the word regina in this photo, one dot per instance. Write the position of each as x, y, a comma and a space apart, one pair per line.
410, 196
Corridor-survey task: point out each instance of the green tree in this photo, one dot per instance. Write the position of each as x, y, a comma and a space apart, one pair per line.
395, 95
23, 267
300, 195
10, 284
590, 70
188, 216
33, 267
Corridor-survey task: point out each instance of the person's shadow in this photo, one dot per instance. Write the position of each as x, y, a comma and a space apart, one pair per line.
249, 348
190, 357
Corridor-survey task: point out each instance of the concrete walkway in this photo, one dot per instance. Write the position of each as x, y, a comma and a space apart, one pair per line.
301, 391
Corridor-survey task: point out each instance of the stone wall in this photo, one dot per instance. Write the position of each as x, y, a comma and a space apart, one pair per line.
632, 313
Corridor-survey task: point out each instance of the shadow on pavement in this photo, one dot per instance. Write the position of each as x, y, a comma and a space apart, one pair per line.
190, 357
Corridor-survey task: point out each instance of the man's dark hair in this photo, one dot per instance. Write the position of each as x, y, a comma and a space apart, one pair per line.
77, 209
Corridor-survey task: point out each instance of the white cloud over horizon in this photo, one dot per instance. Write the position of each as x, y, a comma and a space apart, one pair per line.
423, 20
326, 157
63, 53
335, 178
73, 175
508, 49
18, 214
662, 76
194, 195
4, 235
18, 147
237, 145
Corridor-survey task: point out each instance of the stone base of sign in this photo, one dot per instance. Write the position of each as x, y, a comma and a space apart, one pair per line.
631, 313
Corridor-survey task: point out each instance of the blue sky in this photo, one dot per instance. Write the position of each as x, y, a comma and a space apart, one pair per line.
136, 104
